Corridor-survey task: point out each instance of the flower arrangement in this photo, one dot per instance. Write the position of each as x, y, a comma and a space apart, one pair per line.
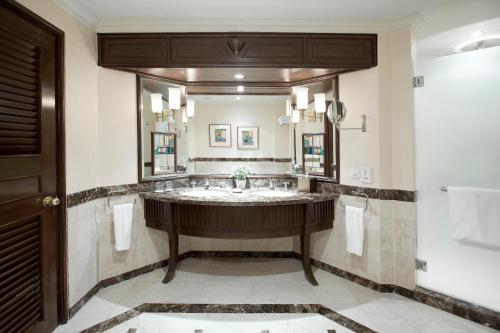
240, 173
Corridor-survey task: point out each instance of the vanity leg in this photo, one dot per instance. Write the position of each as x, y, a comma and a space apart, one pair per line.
305, 244
173, 246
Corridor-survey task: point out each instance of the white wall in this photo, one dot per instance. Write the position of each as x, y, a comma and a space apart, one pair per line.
81, 116
457, 134
385, 95
239, 113
117, 124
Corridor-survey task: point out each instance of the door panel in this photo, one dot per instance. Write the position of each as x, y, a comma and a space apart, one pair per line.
29, 238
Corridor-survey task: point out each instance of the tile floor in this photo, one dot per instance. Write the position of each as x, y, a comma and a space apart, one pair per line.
260, 281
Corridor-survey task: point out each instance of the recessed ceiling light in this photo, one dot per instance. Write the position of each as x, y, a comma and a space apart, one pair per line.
239, 76
238, 98
476, 33
240, 89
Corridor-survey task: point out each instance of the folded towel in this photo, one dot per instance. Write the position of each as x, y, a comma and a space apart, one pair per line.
475, 215
122, 215
354, 230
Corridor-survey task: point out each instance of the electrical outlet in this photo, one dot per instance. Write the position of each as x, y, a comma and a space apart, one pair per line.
421, 265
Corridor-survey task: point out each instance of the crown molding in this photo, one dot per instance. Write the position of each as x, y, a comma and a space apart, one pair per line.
248, 25
77, 9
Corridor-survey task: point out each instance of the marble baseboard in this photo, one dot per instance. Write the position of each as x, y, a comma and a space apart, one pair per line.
230, 308
449, 304
458, 307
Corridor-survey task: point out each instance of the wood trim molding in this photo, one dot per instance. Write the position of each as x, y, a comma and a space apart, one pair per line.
62, 297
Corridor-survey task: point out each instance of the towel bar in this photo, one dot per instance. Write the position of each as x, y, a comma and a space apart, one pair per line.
361, 194
117, 191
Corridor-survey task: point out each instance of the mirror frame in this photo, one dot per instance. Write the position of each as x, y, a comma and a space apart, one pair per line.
331, 131
140, 166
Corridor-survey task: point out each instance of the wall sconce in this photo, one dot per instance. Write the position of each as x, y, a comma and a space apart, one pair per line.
320, 103
184, 117
190, 108
295, 116
288, 107
302, 97
156, 103
174, 98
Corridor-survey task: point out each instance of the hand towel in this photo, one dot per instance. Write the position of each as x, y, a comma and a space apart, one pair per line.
475, 215
354, 230
122, 215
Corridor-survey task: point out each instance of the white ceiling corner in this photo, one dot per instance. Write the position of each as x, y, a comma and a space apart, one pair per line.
78, 9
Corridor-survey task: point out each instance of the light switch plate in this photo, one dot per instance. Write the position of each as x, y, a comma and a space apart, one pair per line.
365, 175
354, 173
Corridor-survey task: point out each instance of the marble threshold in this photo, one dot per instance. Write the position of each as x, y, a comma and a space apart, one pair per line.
472, 312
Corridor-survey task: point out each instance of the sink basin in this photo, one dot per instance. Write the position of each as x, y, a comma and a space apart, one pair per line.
205, 193
274, 194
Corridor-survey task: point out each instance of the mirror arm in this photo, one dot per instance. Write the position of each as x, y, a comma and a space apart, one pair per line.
362, 128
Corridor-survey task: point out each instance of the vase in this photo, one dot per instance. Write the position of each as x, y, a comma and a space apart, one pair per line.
241, 184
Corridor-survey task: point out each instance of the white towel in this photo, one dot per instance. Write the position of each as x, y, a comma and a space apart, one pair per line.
475, 215
354, 230
122, 215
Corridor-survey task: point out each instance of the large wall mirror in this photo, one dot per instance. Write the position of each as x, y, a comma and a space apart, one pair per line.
207, 132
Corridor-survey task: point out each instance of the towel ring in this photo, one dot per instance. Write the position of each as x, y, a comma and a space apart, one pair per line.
117, 191
360, 194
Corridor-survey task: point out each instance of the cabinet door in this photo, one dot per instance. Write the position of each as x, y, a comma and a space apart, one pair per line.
349, 51
228, 51
140, 51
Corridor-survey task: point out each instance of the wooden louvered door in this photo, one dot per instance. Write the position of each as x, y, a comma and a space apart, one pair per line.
29, 234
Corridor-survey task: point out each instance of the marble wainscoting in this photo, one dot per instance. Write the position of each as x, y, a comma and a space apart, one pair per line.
91, 253
389, 242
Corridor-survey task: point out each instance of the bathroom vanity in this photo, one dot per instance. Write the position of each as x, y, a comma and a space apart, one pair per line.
252, 214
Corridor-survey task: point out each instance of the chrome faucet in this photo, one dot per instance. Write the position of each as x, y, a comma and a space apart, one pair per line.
271, 184
193, 184
207, 184
285, 185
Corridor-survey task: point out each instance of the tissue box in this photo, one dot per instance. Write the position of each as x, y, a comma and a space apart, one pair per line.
307, 185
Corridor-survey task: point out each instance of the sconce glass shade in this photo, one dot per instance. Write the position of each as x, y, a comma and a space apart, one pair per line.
302, 97
190, 108
174, 98
295, 116
320, 103
184, 117
156, 103
288, 108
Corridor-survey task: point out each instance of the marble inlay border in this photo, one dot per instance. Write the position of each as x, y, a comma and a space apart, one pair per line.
78, 198
239, 159
449, 304
373, 193
230, 308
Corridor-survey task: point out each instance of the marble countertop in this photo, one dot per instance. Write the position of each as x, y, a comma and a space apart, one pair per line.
229, 198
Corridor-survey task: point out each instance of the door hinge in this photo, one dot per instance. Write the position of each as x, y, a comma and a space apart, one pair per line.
418, 81
421, 265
